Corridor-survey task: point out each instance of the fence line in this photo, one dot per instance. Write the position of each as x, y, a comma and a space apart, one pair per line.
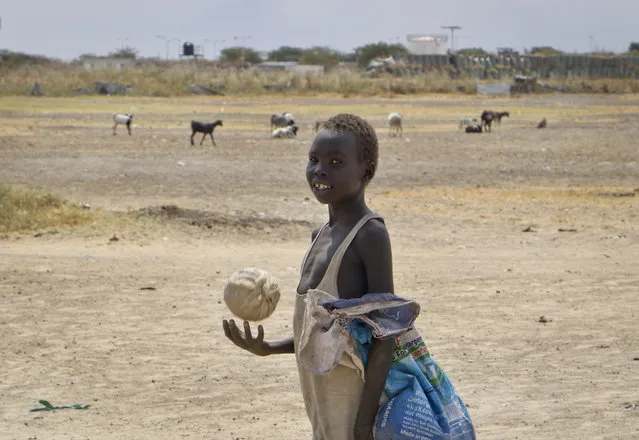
548, 67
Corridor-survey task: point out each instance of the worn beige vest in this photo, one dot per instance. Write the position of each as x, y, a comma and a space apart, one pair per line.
331, 399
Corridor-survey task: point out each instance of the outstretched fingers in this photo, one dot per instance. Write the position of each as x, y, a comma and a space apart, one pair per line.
247, 332
246, 340
260, 334
227, 329
233, 333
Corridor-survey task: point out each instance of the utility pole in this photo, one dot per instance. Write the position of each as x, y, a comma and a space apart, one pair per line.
166, 41
178, 42
215, 47
452, 35
121, 42
215, 42
242, 38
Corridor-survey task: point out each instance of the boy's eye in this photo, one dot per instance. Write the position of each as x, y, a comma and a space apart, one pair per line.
335, 161
312, 159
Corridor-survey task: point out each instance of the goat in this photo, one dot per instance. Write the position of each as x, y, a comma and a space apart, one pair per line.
487, 118
282, 120
476, 128
285, 132
122, 119
499, 115
395, 124
542, 124
465, 122
206, 128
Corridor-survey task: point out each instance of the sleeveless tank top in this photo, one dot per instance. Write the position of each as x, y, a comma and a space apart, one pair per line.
331, 399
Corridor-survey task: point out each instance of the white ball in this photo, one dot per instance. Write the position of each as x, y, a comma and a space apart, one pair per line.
251, 294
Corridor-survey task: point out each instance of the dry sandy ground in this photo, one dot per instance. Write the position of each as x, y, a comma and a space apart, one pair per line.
490, 234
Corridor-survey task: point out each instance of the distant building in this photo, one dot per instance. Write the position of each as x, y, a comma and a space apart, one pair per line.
107, 63
291, 66
506, 51
352, 65
274, 66
427, 44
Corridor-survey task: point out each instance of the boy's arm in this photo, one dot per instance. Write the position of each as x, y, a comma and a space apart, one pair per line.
283, 346
373, 244
256, 345
376, 373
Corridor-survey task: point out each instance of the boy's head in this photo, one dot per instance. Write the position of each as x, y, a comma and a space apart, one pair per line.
364, 136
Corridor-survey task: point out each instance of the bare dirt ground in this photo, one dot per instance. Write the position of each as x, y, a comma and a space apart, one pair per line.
521, 246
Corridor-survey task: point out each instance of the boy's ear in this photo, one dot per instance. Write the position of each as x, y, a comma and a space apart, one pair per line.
370, 172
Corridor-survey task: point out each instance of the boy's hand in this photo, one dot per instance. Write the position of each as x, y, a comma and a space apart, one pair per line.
363, 431
246, 341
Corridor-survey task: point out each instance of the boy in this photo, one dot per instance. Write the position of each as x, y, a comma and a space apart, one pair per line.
349, 257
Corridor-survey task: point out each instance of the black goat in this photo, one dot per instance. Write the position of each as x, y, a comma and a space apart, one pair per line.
487, 118
499, 115
206, 128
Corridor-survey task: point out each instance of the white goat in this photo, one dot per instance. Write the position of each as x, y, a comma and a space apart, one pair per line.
285, 132
282, 120
122, 119
288, 116
395, 123
465, 122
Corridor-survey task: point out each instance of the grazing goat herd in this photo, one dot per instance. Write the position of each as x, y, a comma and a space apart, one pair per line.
283, 125
471, 125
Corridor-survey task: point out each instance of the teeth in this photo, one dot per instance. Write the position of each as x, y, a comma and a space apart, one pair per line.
320, 186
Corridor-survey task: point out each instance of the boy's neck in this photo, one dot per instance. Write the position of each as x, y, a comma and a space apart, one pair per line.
348, 212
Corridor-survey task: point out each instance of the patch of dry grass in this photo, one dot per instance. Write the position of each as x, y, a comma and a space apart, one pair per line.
175, 78
26, 209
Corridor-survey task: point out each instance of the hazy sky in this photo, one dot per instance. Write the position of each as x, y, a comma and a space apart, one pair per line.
68, 28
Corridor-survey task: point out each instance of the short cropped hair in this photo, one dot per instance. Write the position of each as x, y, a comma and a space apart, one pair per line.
367, 145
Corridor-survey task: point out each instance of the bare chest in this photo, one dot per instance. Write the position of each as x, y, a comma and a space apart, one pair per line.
351, 278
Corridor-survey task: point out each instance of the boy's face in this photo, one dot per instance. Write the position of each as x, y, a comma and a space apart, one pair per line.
334, 171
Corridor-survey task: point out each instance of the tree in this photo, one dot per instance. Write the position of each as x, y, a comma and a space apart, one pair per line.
472, 52
125, 52
323, 56
347, 57
371, 51
286, 53
239, 53
545, 50
87, 55
634, 47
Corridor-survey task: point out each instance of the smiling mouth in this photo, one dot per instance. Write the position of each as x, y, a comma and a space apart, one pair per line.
321, 186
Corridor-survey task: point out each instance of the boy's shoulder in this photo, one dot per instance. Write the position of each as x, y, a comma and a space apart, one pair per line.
373, 236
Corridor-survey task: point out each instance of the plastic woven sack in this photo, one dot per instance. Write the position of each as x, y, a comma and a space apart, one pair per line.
419, 401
